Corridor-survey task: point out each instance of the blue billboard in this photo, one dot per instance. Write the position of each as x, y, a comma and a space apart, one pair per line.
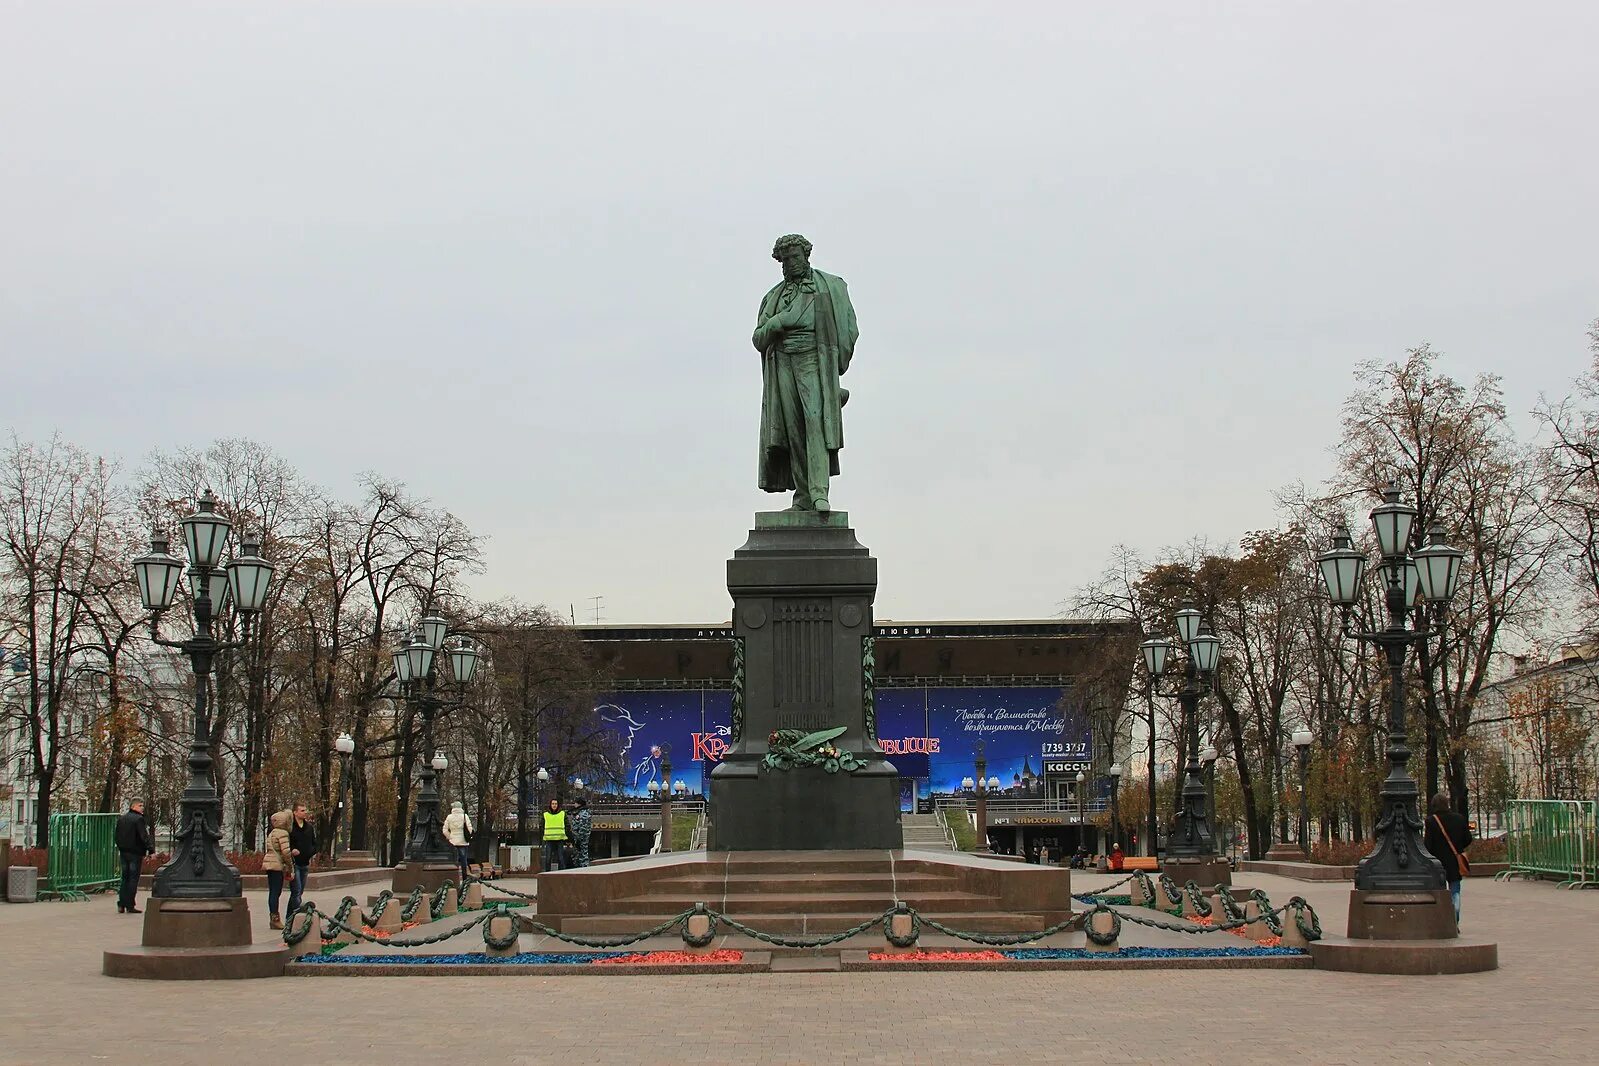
929, 733
693, 726
1019, 726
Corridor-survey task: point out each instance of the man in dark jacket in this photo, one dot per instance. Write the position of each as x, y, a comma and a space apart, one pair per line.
133, 844
1448, 836
302, 845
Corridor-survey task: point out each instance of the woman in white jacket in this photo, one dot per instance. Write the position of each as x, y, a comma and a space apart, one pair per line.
458, 831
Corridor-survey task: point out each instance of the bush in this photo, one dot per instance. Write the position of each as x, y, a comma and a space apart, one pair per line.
38, 858
1350, 852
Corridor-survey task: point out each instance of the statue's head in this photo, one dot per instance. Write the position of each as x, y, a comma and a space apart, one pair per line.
794, 252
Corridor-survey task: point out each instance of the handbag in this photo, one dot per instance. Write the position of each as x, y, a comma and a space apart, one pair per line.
1465, 865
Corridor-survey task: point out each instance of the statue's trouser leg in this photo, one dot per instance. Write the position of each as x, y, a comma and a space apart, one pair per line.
799, 390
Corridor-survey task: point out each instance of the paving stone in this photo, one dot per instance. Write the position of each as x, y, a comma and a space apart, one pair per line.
56, 1007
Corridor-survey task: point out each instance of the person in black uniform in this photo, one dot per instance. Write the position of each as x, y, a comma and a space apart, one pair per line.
133, 844
1448, 836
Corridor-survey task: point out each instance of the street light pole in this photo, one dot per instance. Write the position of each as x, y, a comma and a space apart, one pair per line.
1082, 833
1302, 739
429, 858
666, 798
345, 746
198, 868
1192, 843
1115, 773
982, 798
1400, 860
1208, 757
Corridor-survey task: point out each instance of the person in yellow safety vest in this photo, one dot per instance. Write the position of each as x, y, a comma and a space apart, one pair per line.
554, 835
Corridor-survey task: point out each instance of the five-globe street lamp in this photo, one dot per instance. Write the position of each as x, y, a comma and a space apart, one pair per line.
415, 667
1399, 861
198, 868
1193, 838
1302, 739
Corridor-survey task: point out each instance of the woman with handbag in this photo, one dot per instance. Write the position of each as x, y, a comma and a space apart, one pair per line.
1448, 836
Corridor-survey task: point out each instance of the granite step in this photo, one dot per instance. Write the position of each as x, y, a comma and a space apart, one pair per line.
811, 924
797, 884
807, 902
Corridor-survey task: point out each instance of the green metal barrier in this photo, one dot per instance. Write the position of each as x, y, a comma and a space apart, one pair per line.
1553, 839
82, 857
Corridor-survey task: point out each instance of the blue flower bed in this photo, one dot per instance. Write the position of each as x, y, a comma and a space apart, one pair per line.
1149, 953
527, 957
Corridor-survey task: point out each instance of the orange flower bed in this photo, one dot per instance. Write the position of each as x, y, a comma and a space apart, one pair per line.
937, 956
672, 958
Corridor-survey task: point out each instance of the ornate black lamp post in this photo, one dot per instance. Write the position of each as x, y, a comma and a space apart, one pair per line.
415, 668
345, 746
1400, 861
198, 868
1302, 739
1193, 841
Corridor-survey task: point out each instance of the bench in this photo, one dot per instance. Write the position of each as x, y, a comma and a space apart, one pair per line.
1147, 863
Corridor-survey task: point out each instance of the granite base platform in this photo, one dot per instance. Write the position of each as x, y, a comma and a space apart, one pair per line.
1417, 957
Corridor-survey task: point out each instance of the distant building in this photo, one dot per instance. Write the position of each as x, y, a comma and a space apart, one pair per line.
1542, 721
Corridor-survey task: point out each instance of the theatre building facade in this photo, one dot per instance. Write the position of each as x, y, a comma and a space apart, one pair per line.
1013, 693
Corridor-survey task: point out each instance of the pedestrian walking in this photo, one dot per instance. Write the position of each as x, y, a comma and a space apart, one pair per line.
582, 829
133, 844
555, 838
1448, 836
302, 847
278, 863
458, 831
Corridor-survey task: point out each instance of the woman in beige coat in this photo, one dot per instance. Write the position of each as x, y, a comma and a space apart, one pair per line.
278, 862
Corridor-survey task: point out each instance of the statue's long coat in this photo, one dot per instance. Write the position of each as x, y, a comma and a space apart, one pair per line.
836, 333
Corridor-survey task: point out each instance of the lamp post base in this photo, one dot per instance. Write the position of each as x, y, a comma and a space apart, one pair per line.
1377, 914
1205, 871
430, 875
196, 940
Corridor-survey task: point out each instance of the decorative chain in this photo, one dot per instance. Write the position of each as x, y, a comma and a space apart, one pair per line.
1305, 918
291, 938
611, 943
436, 904
413, 903
1001, 940
1196, 899
501, 888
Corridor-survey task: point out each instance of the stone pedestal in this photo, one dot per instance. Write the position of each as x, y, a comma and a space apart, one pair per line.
355, 860
1378, 914
1283, 851
1102, 922
196, 923
802, 589
197, 940
1207, 873
430, 875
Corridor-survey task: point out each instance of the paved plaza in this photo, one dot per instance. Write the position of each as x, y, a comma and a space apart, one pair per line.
57, 1008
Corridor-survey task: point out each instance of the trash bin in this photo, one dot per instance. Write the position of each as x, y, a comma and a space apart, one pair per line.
521, 858
22, 884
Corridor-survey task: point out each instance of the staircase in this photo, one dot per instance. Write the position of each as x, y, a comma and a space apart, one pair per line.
811, 893
925, 832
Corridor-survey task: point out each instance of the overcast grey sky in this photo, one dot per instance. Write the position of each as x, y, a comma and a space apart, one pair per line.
1113, 263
